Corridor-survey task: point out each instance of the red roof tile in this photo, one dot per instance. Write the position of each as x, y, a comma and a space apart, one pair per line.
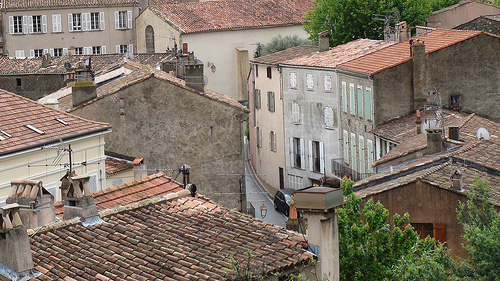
235, 14
282, 56
18, 113
115, 166
181, 238
399, 53
30, 4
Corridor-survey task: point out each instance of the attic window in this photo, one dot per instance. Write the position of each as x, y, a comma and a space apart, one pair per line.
62, 122
35, 129
6, 134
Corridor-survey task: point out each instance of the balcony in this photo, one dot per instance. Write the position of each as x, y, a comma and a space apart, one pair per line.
341, 170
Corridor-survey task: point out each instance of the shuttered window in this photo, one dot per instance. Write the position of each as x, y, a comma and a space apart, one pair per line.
310, 81
329, 117
361, 148
257, 99
353, 152
295, 112
56, 23
328, 83
359, 101
368, 104
293, 80
369, 153
270, 101
344, 96
346, 147
352, 100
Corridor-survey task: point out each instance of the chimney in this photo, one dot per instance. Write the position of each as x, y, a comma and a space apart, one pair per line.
46, 58
140, 170
402, 31
417, 50
84, 89
454, 133
36, 203
323, 41
53, 102
456, 180
318, 204
16, 261
193, 73
79, 201
434, 140
419, 122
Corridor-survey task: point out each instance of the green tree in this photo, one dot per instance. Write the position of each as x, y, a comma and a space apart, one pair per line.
348, 20
370, 249
280, 43
481, 223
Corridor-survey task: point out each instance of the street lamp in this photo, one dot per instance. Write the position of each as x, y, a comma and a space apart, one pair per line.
263, 211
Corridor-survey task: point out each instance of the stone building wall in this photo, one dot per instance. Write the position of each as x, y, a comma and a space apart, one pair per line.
32, 86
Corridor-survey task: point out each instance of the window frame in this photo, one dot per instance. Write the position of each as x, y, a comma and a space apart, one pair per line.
293, 80
329, 118
94, 21
18, 25
269, 72
272, 141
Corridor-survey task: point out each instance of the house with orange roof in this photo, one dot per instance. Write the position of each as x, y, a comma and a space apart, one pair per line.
36, 142
223, 34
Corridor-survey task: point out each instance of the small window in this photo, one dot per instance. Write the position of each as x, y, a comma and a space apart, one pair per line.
122, 49
352, 99
295, 112
328, 83
58, 52
18, 24
257, 99
316, 163
96, 50
329, 117
293, 80
36, 24
269, 72
18, 82
94, 21
270, 101
38, 53
359, 101
77, 22
456, 102
123, 19
258, 134
272, 141
297, 153
344, 96
79, 51
309, 81
424, 229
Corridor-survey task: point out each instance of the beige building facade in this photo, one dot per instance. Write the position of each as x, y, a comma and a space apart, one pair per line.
464, 11
60, 29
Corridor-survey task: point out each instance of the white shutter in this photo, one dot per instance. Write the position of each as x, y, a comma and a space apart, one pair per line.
293, 80
129, 19
54, 23
322, 157
302, 155
117, 49
274, 141
346, 147
45, 51
328, 83
117, 20
11, 25
51, 52
361, 149
30, 24
32, 53
102, 24
70, 22
369, 145
130, 48
103, 50
309, 155
44, 23
25, 24
84, 21
292, 158
65, 51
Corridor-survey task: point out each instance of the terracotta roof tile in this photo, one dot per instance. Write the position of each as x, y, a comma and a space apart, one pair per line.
115, 165
282, 56
235, 14
399, 53
19, 113
29, 4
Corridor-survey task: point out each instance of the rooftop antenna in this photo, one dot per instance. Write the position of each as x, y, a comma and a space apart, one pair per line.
387, 17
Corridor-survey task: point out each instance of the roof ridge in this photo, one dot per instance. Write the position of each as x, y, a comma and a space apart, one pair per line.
467, 120
435, 169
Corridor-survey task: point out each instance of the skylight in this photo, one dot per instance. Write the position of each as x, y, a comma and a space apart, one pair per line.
62, 122
6, 134
1, 138
35, 129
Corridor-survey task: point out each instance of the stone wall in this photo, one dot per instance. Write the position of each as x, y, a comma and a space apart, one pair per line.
170, 126
33, 86
483, 24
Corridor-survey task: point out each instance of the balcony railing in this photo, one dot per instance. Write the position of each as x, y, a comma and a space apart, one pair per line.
341, 170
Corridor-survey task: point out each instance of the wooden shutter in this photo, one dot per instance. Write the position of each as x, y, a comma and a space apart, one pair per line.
70, 22
117, 49
30, 24
321, 157
344, 96
302, 155
310, 155
346, 147
292, 156
44, 23
440, 232
370, 156
85, 19
130, 48
11, 25
368, 104
32, 53
117, 20
102, 23
25, 24
65, 51
103, 50
352, 102
51, 52
129, 19
359, 101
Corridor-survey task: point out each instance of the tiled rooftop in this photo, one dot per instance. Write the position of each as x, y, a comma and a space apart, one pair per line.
115, 166
32, 4
170, 237
399, 53
403, 131
27, 124
340, 54
211, 16
282, 56
151, 186
477, 160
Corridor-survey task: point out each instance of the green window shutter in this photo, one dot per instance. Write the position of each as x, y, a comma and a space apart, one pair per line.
257, 98
273, 102
352, 98
344, 97
359, 101
368, 104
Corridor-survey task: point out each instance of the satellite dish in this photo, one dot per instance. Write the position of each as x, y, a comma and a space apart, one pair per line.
482, 134
67, 65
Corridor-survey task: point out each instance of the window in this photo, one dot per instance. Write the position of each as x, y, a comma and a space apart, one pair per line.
121, 49
35, 24
270, 101
328, 83
269, 72
353, 152
19, 54
36, 53
272, 141
96, 50
359, 101
56, 23
256, 71
432, 230
369, 152
257, 99
361, 148
294, 182
56, 52
344, 96
329, 117
456, 102
368, 104
309, 81
78, 50
316, 156
94, 21
346, 147
258, 134
123, 19
16, 24
295, 112
385, 147
75, 22
293, 80
18, 82
352, 102
297, 152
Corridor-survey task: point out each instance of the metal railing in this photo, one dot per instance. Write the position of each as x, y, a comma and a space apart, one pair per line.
341, 170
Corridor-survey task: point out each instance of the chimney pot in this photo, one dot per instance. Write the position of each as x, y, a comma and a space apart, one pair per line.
454, 133
418, 122
456, 180
324, 41
79, 201
434, 140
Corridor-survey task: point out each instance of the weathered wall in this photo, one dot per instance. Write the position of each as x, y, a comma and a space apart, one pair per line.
170, 126
33, 86
482, 24
426, 204
466, 11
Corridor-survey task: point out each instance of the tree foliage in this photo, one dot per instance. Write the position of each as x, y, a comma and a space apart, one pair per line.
280, 43
348, 20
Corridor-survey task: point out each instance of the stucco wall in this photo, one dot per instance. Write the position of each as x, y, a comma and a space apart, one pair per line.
427, 204
170, 126
33, 86
463, 13
483, 24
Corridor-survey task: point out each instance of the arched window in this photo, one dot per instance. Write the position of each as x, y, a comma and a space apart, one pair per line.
150, 39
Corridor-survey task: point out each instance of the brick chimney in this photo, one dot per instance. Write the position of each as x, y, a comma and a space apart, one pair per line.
140, 170
78, 201
36, 203
434, 140
402, 31
417, 50
318, 204
84, 89
418, 122
454, 133
16, 261
323, 41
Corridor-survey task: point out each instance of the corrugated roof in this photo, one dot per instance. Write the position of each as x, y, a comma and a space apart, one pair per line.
25, 123
235, 14
30, 4
399, 53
